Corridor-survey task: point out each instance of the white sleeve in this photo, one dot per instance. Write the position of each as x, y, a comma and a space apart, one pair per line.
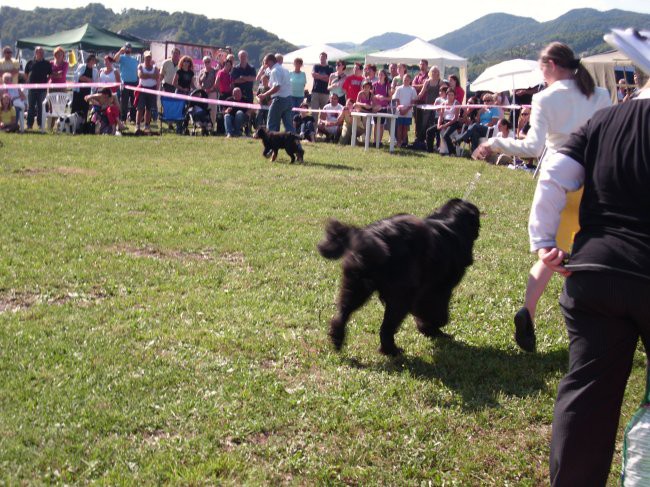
533, 144
559, 174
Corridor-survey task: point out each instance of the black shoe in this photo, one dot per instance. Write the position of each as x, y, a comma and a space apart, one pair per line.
525, 331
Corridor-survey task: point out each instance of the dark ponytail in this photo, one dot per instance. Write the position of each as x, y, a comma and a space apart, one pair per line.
563, 56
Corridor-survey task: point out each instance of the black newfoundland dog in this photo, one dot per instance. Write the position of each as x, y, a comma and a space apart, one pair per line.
274, 141
413, 263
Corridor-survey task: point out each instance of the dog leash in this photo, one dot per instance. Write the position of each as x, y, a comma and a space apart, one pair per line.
472, 185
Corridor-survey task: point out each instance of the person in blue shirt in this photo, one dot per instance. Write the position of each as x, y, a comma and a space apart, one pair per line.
129, 73
489, 116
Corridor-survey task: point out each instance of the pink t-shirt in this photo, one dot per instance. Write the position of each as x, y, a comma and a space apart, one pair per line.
59, 72
225, 81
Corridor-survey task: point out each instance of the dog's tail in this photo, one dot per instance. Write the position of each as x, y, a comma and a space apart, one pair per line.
337, 239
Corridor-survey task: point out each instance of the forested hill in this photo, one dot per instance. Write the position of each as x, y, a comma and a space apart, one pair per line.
497, 37
146, 24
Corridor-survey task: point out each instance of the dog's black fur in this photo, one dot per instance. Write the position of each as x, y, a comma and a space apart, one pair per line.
274, 141
413, 263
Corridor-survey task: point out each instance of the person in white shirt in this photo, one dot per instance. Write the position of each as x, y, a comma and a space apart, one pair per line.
328, 122
570, 100
280, 94
406, 97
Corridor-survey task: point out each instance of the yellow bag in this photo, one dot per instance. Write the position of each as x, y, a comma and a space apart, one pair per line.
569, 222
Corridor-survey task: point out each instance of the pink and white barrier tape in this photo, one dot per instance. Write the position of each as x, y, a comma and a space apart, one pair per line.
212, 101
45, 86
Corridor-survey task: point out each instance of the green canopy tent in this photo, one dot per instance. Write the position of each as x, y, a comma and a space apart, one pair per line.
86, 38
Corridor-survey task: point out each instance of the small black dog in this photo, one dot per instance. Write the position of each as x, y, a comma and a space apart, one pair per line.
413, 263
274, 141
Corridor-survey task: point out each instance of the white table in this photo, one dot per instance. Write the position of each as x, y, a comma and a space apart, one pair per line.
368, 117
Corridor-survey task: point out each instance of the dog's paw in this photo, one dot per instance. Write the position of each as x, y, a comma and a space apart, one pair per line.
390, 351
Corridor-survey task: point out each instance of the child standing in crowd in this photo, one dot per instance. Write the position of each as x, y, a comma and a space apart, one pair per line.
405, 96
264, 102
381, 89
399, 79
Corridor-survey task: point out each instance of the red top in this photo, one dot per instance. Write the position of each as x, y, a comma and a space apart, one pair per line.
352, 86
224, 80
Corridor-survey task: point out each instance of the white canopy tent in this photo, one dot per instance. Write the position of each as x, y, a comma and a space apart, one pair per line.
310, 56
411, 53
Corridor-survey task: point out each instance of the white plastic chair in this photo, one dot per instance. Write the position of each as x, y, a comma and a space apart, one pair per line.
58, 101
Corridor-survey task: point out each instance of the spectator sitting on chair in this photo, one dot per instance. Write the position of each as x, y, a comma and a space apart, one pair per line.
129, 72
432, 134
167, 73
59, 69
448, 122
489, 117
329, 123
85, 73
7, 114
235, 117
18, 99
345, 122
150, 79
305, 124
321, 74
106, 111
523, 124
38, 70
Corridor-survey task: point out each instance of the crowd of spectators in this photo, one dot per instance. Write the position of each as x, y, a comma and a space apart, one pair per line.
325, 110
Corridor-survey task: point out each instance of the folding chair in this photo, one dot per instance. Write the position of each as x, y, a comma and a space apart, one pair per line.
58, 101
173, 111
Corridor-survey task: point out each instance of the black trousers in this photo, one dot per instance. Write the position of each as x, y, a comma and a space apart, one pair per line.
127, 107
605, 313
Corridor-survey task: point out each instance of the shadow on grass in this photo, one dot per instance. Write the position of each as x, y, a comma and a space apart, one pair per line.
333, 166
479, 375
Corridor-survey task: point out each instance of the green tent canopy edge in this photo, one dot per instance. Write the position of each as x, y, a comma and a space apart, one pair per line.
88, 37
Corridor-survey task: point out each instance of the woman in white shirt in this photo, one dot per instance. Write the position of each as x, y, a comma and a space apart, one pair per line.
569, 101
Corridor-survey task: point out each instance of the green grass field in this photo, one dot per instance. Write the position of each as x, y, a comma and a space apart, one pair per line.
164, 311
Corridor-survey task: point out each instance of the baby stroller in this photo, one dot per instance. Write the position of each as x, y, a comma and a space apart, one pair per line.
198, 114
